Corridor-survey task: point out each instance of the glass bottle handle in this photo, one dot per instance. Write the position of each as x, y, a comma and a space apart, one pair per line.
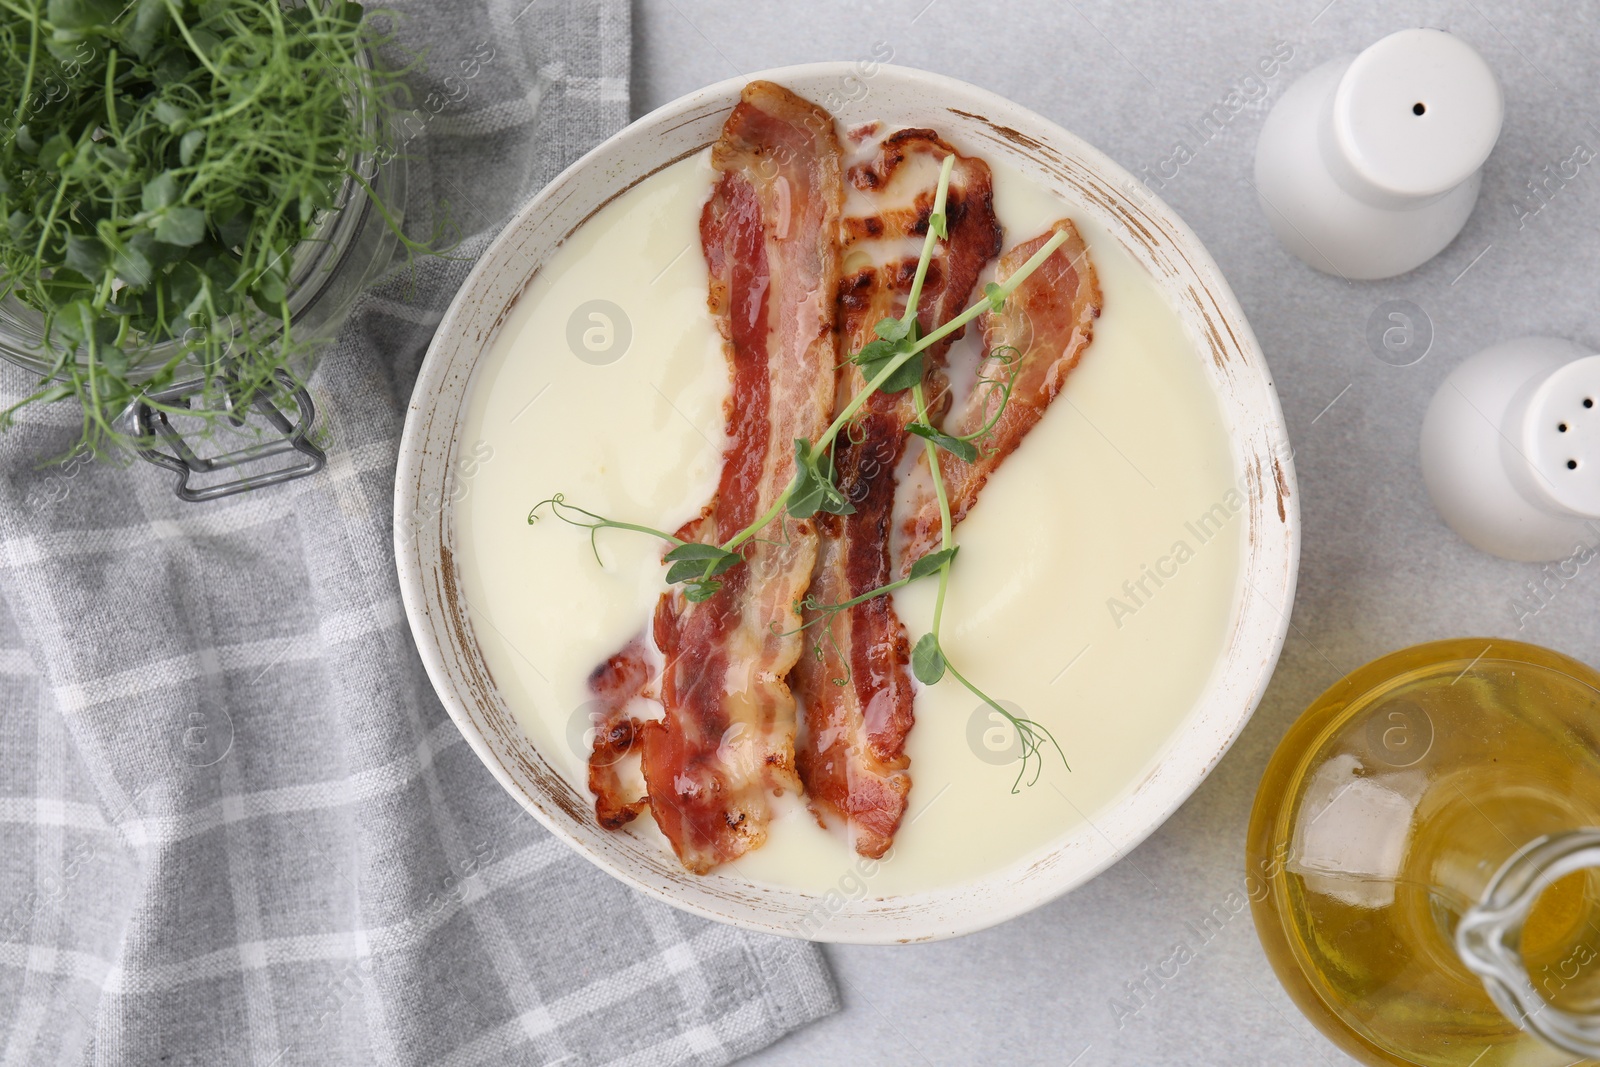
1489, 935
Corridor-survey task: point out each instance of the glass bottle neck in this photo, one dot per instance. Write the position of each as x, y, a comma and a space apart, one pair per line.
1489, 938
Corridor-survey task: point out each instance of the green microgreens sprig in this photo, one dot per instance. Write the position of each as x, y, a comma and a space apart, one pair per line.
928, 660
965, 446
826, 613
694, 564
891, 363
923, 567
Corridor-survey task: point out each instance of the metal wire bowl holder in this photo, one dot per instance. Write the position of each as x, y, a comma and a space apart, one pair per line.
152, 423
350, 247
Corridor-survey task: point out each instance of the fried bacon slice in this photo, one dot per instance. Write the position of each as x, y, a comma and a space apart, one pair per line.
1039, 335
770, 238
854, 681
769, 234
615, 684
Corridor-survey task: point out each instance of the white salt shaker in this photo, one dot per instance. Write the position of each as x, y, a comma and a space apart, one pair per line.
1368, 166
1511, 449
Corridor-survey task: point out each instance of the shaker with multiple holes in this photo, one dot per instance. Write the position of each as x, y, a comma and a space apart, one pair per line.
1511, 450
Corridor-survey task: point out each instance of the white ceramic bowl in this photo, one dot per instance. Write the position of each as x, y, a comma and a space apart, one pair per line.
975, 121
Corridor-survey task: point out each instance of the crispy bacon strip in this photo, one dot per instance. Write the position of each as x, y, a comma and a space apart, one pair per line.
855, 686
615, 683
769, 233
1044, 328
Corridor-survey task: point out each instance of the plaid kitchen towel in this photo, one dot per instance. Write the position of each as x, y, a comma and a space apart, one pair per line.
236, 825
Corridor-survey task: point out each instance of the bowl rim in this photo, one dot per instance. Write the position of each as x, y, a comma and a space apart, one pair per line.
1259, 632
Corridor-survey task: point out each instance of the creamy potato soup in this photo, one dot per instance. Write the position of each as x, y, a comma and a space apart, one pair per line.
1092, 593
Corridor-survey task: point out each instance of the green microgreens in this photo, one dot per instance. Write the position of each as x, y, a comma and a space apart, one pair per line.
825, 614
894, 336
164, 160
964, 446
891, 363
694, 564
814, 487
956, 446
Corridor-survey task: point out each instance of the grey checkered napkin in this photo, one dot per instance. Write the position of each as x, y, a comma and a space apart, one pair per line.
236, 825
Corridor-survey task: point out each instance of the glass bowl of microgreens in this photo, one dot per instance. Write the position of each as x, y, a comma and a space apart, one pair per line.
192, 191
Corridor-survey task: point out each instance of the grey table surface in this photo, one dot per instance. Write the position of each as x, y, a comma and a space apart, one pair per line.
1378, 568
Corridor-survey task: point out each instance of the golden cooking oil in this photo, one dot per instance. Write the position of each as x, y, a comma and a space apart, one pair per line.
1382, 817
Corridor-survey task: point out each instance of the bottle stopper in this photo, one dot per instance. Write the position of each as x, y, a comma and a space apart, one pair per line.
1511, 449
1369, 165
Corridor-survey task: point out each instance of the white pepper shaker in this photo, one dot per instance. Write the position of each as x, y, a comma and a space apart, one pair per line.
1369, 165
1511, 449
